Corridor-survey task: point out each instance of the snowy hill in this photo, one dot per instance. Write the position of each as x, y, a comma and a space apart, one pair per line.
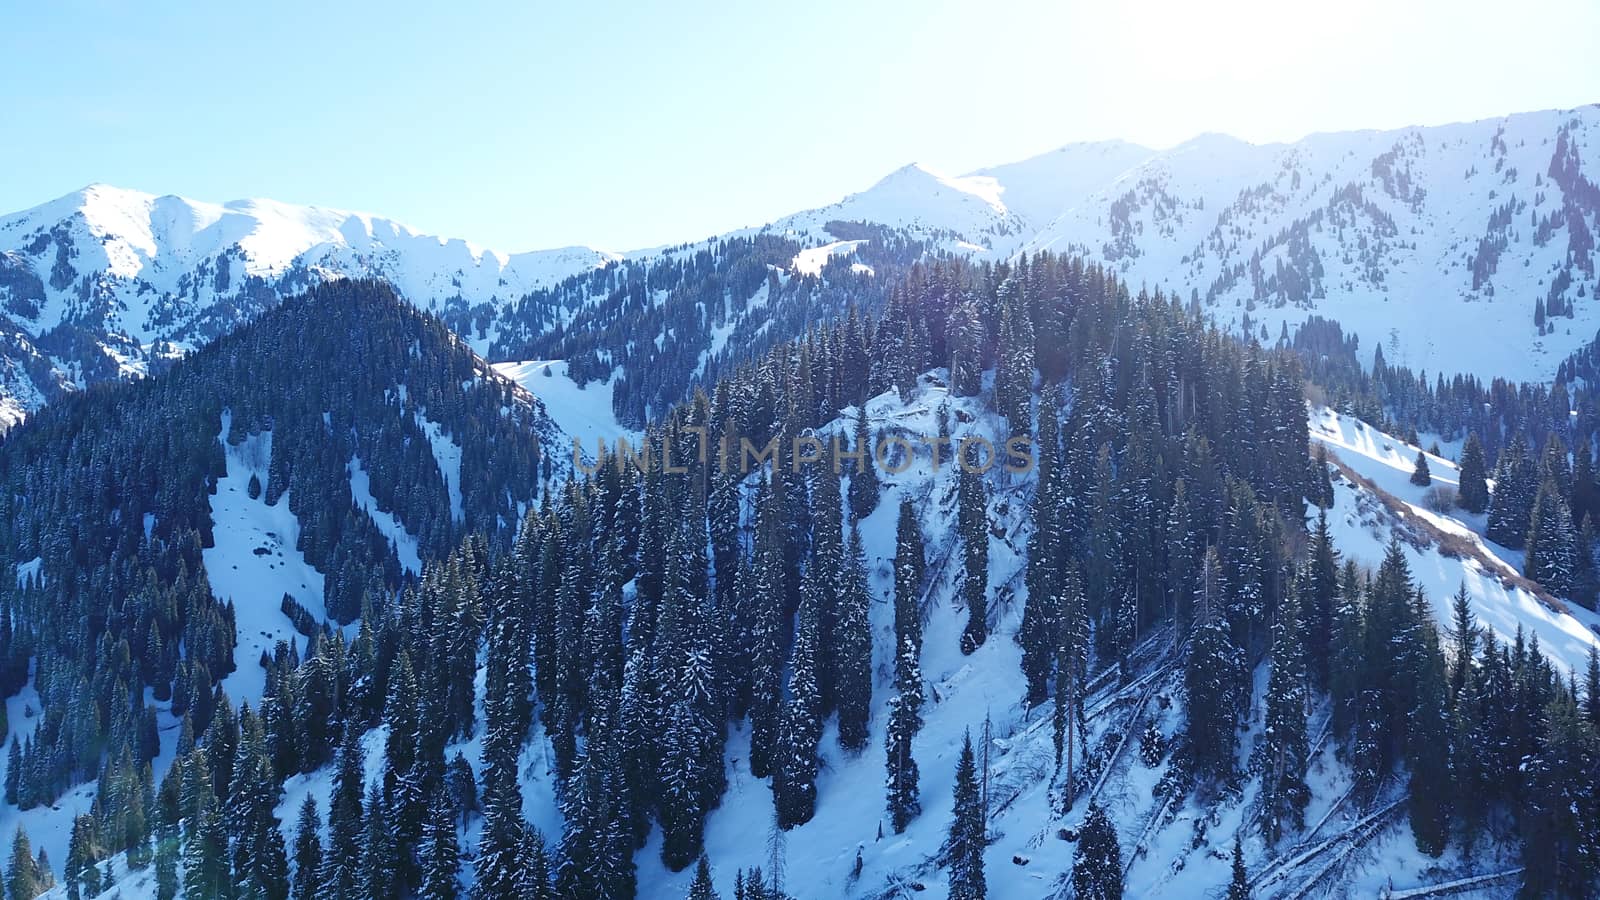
106, 282
1396, 234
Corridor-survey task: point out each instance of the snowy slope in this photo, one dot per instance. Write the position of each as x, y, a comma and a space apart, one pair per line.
1381, 230
1435, 242
1362, 525
147, 277
582, 412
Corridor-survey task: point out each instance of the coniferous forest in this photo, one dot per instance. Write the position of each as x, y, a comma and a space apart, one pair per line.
653, 636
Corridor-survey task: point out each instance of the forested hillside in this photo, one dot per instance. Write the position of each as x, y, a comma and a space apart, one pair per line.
367, 427
1146, 655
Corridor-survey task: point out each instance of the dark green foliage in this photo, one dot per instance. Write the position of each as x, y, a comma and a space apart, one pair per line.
1239, 886
1420, 476
1473, 490
968, 831
864, 473
1097, 861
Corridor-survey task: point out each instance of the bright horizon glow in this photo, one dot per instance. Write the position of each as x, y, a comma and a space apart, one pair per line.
621, 127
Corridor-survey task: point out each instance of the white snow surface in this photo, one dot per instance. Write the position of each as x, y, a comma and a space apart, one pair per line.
1362, 528
583, 411
255, 561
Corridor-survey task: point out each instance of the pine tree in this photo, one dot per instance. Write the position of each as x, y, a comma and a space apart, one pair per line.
973, 517
167, 862
702, 888
440, 855
1420, 476
864, 479
1511, 504
794, 779
1552, 543
968, 831
1239, 887
1285, 748
308, 852
905, 720
1428, 747
24, 881
1217, 687
853, 650
1097, 861
1472, 493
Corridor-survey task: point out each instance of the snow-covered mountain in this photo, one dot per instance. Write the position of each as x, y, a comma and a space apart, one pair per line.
1436, 242
105, 281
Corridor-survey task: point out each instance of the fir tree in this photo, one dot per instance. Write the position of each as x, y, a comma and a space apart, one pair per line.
909, 563
1464, 640
1419, 472
1561, 841
1552, 543
167, 862
1097, 861
341, 872
1216, 680
864, 479
794, 787
440, 854
1472, 493
905, 720
1428, 747
24, 881
1511, 504
377, 865
13, 770
974, 523
1320, 598
968, 831
308, 852
702, 888
1072, 664
852, 655
1284, 789
1239, 887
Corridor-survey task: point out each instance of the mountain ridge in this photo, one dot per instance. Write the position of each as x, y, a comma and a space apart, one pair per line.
1391, 232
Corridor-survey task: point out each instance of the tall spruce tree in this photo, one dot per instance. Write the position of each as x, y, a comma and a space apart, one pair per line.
864, 487
1284, 790
1472, 492
1552, 542
905, 720
308, 852
794, 778
852, 654
968, 831
1097, 861
973, 517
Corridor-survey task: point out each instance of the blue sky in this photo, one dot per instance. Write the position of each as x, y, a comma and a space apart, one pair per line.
623, 125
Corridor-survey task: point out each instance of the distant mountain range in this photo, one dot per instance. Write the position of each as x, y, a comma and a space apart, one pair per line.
1438, 243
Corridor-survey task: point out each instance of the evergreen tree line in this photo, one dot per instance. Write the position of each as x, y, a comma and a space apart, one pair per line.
106, 508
